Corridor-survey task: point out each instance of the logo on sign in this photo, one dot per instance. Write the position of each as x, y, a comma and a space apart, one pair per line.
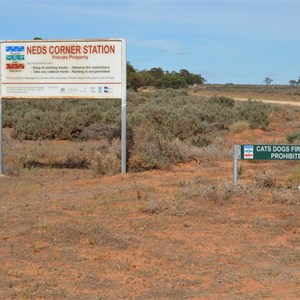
248, 152
15, 48
15, 66
15, 57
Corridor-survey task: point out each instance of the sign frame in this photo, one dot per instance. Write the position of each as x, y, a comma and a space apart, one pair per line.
116, 63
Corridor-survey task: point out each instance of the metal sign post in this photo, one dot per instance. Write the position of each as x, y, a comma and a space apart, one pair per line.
123, 111
236, 156
1, 140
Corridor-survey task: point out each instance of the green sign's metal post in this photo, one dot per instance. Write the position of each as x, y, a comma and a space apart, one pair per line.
236, 156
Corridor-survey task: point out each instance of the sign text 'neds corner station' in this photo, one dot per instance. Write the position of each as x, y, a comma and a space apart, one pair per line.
68, 51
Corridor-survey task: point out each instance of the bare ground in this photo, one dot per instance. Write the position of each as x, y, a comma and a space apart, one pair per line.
178, 234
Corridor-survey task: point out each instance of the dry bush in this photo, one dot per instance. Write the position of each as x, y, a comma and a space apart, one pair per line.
221, 191
212, 154
76, 160
151, 150
264, 179
52, 156
88, 230
100, 131
249, 190
146, 151
151, 206
12, 169
286, 196
294, 124
255, 113
239, 126
293, 137
174, 206
107, 159
296, 174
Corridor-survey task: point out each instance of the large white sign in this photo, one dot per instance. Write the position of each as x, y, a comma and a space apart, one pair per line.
63, 69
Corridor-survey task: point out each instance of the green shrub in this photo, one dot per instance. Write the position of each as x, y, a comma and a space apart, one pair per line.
58, 119
223, 101
200, 141
164, 126
37, 124
146, 152
255, 113
294, 136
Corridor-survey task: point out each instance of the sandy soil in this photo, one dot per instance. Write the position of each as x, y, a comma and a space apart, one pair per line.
153, 235
178, 234
275, 96
293, 103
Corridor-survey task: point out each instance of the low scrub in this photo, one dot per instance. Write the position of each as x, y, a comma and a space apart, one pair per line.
293, 137
255, 113
164, 126
296, 174
239, 126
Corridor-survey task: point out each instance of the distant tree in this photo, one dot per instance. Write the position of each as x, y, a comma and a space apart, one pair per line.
138, 79
157, 73
268, 81
37, 38
134, 81
130, 68
293, 82
171, 80
298, 82
161, 79
191, 78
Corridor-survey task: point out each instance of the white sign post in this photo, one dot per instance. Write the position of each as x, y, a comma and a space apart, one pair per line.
65, 69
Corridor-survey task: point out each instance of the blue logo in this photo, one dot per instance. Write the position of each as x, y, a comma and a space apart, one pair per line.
15, 57
15, 48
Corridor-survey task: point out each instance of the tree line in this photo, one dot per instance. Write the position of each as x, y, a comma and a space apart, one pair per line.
159, 78
295, 82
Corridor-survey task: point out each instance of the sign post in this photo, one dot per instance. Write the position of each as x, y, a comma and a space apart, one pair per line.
1, 139
263, 152
124, 113
236, 149
66, 69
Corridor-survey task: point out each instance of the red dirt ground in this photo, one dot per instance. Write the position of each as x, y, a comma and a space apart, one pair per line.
178, 234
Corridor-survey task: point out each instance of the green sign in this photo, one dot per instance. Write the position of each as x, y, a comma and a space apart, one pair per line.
269, 152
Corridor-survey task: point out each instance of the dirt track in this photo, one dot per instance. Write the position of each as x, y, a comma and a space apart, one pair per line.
294, 103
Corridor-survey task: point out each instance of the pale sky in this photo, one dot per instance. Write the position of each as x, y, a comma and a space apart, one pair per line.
226, 41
